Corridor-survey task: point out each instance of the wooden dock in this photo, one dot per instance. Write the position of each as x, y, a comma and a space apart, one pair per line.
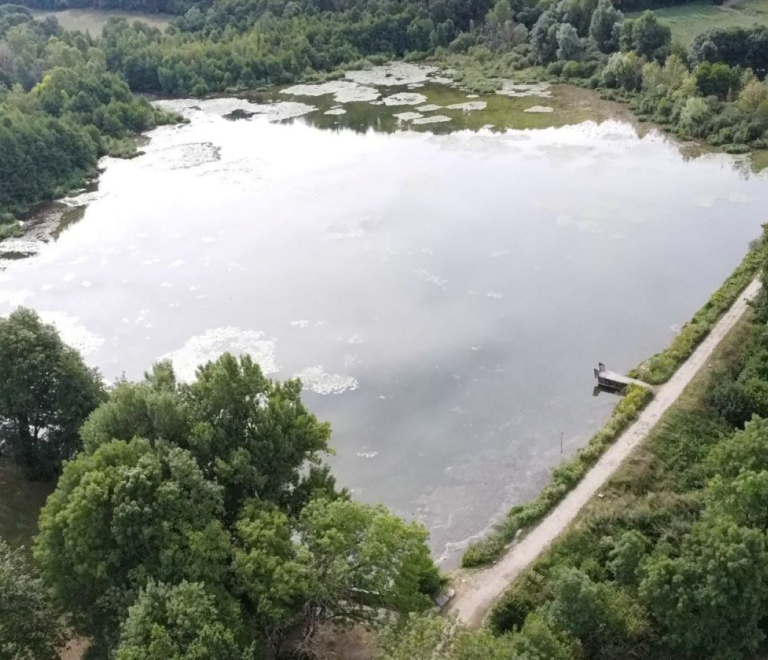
610, 380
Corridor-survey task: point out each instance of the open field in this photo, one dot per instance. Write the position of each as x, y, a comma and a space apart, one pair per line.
93, 20
686, 21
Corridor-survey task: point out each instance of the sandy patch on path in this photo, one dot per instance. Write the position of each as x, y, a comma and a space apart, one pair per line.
478, 590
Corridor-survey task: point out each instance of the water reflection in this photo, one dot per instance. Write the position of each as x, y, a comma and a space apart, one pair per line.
444, 296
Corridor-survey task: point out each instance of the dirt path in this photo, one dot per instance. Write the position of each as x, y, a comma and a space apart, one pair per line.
477, 591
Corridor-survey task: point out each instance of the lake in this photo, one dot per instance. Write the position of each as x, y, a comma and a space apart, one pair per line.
443, 288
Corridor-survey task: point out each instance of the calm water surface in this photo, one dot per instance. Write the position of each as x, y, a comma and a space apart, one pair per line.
444, 297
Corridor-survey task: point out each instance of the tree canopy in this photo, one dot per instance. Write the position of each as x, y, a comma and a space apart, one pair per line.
30, 626
46, 392
208, 501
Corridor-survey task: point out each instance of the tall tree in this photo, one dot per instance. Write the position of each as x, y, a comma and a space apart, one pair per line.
30, 627
124, 515
649, 38
602, 27
46, 392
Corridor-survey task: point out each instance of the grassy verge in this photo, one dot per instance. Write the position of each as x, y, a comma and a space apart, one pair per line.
659, 368
564, 478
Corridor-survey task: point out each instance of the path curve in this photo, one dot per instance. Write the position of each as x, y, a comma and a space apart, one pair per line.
478, 590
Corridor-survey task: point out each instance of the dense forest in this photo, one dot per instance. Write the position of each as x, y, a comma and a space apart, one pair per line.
60, 110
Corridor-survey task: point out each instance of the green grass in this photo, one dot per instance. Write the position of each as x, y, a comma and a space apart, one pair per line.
686, 21
93, 20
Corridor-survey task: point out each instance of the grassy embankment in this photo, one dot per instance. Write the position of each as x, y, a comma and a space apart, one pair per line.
94, 20
657, 369
688, 20
658, 496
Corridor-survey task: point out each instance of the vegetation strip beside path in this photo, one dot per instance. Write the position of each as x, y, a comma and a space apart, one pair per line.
477, 591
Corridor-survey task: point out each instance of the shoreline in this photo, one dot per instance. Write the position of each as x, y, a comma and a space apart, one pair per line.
478, 591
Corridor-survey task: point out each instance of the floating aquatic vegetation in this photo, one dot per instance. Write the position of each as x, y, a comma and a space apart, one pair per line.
405, 98
74, 333
395, 73
344, 91
238, 108
540, 109
408, 116
432, 278
184, 156
430, 107
586, 226
82, 199
521, 90
434, 119
468, 106
351, 360
321, 382
212, 343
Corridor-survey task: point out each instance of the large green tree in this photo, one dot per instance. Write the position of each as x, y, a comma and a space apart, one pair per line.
30, 627
711, 598
124, 515
46, 392
255, 437
340, 561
